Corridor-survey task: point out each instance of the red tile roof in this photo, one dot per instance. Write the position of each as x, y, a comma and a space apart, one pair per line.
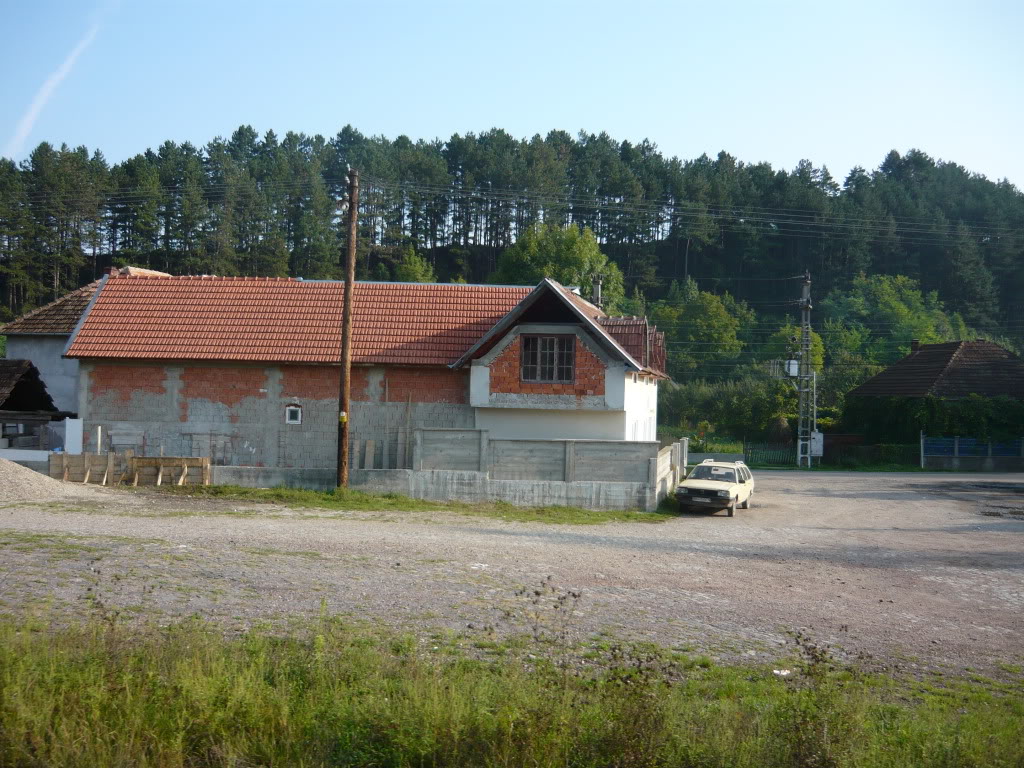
643, 341
950, 370
287, 320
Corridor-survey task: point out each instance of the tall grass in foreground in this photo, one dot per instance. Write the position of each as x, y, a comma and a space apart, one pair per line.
106, 695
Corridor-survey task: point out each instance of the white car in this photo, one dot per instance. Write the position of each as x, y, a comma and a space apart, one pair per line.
716, 485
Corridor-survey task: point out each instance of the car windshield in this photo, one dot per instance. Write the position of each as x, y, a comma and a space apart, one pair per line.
705, 472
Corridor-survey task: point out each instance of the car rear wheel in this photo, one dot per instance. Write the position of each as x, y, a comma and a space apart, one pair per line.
746, 502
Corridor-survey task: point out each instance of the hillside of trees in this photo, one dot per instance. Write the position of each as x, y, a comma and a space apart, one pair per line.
709, 248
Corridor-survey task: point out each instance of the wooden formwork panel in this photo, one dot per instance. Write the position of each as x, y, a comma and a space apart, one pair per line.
118, 468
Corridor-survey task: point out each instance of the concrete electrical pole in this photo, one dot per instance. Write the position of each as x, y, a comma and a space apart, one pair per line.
805, 381
346, 328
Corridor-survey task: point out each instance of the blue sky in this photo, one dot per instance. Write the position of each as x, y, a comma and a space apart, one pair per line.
840, 83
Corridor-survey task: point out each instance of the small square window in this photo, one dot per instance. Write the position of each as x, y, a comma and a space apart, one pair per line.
293, 415
548, 359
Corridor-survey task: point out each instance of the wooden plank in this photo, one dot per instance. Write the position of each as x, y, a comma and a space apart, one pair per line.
108, 475
206, 470
353, 452
184, 473
64, 467
85, 478
400, 454
159, 474
169, 461
371, 450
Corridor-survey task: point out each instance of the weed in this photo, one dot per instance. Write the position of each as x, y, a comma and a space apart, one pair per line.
335, 693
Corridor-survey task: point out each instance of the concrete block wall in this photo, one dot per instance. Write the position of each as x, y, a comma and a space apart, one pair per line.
390, 403
476, 487
235, 414
564, 460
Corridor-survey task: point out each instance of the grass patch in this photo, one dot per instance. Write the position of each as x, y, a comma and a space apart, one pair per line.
263, 551
54, 545
339, 695
347, 500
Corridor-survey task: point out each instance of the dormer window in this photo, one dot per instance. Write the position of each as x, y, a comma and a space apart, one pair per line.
549, 359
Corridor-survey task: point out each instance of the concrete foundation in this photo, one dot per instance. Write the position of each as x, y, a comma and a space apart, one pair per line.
975, 463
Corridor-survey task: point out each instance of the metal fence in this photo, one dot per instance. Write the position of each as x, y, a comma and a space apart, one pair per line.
770, 454
871, 455
969, 447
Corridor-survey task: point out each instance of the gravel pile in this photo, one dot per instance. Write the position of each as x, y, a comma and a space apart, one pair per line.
18, 483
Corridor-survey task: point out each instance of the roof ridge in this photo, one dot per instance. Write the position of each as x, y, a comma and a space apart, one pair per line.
949, 363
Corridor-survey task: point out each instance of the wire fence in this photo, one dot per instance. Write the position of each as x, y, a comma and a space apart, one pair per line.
838, 455
769, 454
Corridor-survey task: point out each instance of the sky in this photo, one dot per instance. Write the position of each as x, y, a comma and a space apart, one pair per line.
839, 83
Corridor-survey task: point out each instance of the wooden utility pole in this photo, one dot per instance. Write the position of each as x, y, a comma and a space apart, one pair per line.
344, 414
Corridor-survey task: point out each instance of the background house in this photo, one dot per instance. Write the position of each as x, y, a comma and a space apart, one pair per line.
967, 395
41, 336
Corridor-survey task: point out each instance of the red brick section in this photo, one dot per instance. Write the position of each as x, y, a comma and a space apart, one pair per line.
310, 381
427, 385
126, 380
506, 374
437, 384
221, 384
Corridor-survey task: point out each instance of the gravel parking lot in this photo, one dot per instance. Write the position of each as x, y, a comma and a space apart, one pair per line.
914, 569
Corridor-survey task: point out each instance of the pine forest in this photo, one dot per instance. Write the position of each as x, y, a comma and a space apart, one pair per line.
713, 249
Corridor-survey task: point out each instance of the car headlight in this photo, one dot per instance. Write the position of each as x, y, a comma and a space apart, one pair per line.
680, 489
723, 493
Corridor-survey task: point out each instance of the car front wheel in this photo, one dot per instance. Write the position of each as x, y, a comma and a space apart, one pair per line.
731, 509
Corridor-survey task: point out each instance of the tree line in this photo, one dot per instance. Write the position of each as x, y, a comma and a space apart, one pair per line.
266, 205
711, 249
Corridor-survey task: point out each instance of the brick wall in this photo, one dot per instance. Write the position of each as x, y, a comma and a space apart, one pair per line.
506, 374
316, 382
125, 380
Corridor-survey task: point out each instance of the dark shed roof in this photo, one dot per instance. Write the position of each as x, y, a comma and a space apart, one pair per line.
21, 389
950, 370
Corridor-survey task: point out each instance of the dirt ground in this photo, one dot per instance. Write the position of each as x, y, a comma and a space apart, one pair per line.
914, 570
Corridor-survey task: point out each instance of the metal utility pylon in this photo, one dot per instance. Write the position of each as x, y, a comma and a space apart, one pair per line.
805, 383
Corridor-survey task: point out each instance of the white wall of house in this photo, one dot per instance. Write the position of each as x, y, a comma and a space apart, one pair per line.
544, 424
58, 374
641, 404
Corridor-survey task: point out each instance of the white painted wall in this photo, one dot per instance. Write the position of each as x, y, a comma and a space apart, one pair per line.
641, 398
59, 375
524, 423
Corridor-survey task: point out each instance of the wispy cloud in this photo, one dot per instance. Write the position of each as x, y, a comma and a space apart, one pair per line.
45, 93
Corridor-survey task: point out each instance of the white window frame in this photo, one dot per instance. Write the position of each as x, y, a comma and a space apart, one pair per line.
288, 414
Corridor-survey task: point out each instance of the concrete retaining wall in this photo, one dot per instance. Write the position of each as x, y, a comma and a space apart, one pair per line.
476, 487
697, 458
275, 477
565, 460
975, 463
